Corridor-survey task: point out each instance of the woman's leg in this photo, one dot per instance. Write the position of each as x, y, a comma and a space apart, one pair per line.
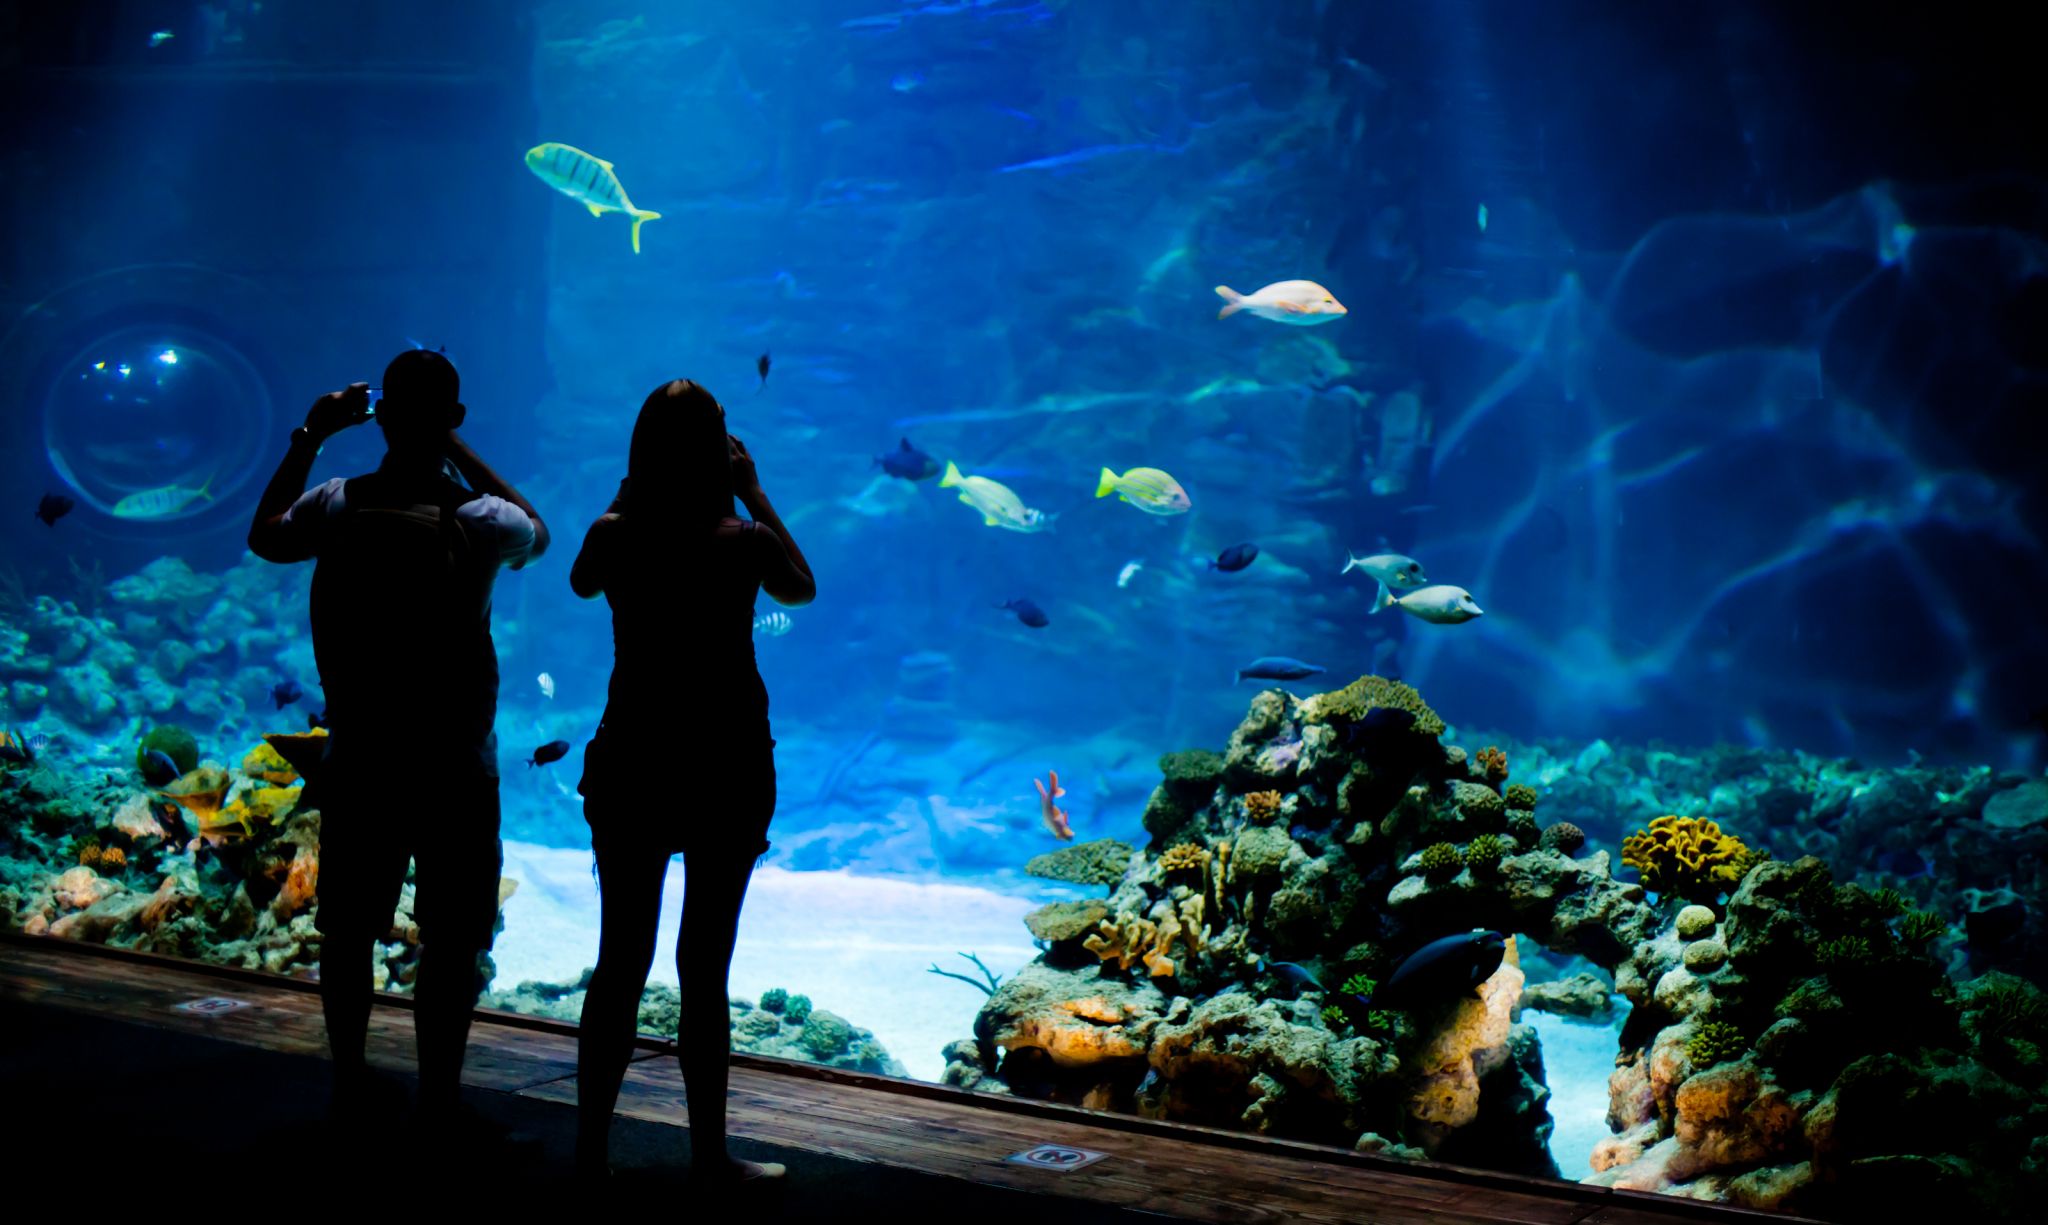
629, 909
716, 887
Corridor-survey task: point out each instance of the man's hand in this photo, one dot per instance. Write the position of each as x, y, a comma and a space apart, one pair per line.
338, 410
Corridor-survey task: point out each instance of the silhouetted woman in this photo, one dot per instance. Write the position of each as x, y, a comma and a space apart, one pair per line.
683, 761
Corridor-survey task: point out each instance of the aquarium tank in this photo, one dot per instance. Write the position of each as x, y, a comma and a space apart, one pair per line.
1454, 580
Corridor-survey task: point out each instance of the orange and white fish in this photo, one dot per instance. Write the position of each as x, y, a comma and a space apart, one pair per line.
1054, 816
1302, 303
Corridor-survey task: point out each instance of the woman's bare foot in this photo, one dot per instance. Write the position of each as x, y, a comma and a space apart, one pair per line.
735, 1169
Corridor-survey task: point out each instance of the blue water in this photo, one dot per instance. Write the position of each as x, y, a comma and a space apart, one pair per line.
1710, 387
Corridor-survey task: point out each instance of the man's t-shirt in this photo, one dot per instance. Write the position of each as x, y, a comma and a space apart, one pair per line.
457, 714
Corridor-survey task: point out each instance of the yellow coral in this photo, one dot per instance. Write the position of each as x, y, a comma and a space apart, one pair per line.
89, 855
1361, 695
266, 763
1685, 857
113, 857
1187, 857
270, 803
1262, 806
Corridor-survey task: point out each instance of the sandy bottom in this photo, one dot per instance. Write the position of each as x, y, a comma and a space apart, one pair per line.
1577, 1059
857, 945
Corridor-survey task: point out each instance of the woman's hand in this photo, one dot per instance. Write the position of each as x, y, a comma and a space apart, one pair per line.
746, 480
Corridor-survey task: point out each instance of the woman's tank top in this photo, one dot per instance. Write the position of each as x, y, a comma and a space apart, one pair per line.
683, 667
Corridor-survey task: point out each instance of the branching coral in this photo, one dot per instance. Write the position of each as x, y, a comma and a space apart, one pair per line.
2009, 1010
1713, 1042
1129, 938
1564, 838
1917, 927
1493, 764
1684, 857
1521, 795
1846, 957
1483, 853
1260, 807
1187, 857
1362, 695
1441, 859
1359, 984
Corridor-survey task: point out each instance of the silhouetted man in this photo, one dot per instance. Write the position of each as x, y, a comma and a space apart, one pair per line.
401, 610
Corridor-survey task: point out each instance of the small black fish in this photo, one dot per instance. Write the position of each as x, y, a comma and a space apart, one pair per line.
1028, 612
53, 507
284, 693
1291, 972
158, 770
1442, 969
552, 751
315, 719
1276, 668
909, 463
1235, 558
761, 364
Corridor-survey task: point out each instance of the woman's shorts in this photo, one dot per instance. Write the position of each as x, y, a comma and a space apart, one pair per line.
721, 806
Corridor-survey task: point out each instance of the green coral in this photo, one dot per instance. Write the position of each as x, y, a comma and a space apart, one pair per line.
1917, 927
826, 1035
1713, 1042
1333, 1017
1359, 984
1362, 695
1484, 852
774, 999
173, 742
1101, 862
1441, 859
797, 1010
2007, 1007
1845, 956
1749, 859
1521, 795
1191, 775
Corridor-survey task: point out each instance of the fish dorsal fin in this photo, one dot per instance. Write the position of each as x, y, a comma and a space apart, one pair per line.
906, 444
600, 161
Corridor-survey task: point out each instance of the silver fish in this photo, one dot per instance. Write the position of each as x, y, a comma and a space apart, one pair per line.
773, 625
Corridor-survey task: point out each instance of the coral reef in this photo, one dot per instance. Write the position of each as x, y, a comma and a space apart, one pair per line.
1260, 807
778, 1026
1564, 838
1685, 857
1101, 862
1361, 696
1492, 765
1520, 795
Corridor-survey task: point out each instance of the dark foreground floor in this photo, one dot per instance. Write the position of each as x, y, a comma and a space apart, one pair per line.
111, 1085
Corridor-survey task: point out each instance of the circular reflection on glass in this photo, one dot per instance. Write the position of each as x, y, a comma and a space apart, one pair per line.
153, 423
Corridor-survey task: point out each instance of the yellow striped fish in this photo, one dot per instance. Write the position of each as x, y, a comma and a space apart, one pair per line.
161, 503
587, 180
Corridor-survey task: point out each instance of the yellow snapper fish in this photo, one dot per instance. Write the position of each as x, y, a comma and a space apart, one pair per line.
162, 502
998, 504
1148, 489
587, 180
1302, 303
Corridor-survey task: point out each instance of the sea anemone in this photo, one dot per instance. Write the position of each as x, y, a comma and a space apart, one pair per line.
1493, 764
1441, 859
1564, 838
1484, 853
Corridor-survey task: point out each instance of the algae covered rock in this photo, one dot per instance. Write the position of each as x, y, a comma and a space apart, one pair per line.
1101, 862
1057, 921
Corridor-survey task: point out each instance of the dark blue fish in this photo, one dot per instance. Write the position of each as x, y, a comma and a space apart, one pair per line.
53, 507
1235, 558
909, 463
1028, 612
552, 751
1907, 865
284, 693
1299, 976
761, 364
1276, 668
158, 770
1441, 970
1380, 725
315, 719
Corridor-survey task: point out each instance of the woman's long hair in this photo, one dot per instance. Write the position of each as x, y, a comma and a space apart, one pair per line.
680, 454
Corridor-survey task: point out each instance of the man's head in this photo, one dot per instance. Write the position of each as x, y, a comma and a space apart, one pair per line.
421, 401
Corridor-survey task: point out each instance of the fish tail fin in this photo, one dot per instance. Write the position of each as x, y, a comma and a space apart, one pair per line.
1041, 786
206, 488
1233, 300
1350, 563
952, 476
1054, 775
642, 216
1237, 677
1104, 486
1385, 599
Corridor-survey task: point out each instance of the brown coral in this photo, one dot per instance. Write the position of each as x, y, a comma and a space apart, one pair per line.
112, 858
1365, 693
1262, 806
1563, 837
1493, 764
1685, 857
1129, 938
1187, 857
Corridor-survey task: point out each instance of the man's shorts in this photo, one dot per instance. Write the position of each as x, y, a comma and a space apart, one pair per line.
373, 824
